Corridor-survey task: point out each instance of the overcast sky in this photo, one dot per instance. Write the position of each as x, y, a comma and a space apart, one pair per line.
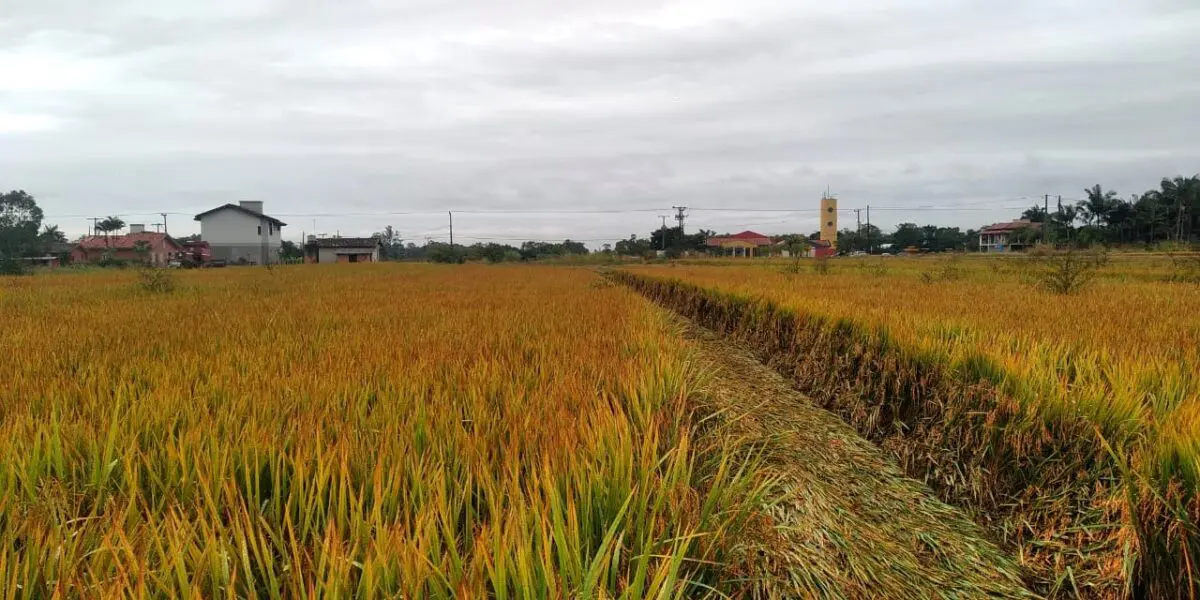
362, 107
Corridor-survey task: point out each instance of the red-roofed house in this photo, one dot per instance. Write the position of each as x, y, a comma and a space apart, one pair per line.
739, 244
199, 253
820, 249
160, 247
1001, 237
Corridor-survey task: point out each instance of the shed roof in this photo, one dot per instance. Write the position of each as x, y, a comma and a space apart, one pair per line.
242, 209
344, 242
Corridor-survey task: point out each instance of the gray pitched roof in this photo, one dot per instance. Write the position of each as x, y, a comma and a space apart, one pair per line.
344, 242
277, 222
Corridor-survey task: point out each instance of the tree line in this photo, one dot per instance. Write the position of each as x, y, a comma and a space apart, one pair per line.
393, 247
22, 233
1169, 213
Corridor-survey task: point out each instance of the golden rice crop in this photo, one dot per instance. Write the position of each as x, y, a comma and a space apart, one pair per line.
1121, 359
380, 431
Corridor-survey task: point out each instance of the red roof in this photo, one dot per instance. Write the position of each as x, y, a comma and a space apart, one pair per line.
126, 242
748, 236
1010, 226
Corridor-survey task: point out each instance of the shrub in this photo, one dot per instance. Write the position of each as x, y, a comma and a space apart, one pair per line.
821, 265
9, 266
155, 281
1064, 272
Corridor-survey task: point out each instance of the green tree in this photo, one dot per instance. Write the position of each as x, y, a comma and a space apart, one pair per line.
671, 238
1181, 196
633, 246
391, 244
1035, 214
861, 240
907, 235
20, 220
1095, 210
52, 235
1062, 222
290, 251
108, 225
444, 253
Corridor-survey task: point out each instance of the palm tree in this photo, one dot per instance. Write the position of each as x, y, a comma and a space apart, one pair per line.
51, 233
1063, 219
1182, 196
1099, 204
110, 224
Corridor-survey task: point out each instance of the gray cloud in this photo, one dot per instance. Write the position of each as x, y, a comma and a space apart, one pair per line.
365, 107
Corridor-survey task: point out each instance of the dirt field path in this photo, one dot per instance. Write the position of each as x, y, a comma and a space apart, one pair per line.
853, 525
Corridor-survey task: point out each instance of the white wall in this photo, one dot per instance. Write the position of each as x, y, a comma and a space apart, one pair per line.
233, 233
330, 255
230, 227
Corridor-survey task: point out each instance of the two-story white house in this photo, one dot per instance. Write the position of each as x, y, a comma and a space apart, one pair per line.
242, 233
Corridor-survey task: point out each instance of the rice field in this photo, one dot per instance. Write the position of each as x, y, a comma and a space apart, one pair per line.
377, 432
474, 431
1070, 425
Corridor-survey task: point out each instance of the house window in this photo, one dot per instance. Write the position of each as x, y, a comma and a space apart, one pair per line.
829, 223
260, 230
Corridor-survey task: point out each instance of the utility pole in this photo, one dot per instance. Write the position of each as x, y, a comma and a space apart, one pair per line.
1049, 225
858, 221
158, 227
451, 213
680, 215
94, 230
164, 216
662, 238
1068, 225
870, 248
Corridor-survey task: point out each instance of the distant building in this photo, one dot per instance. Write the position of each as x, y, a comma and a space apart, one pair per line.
341, 250
820, 249
829, 221
199, 252
241, 233
1001, 237
45, 262
160, 248
746, 243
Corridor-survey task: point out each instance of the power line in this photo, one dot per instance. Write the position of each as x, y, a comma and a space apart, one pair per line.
681, 212
547, 240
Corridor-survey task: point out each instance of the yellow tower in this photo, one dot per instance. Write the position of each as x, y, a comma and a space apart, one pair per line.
829, 219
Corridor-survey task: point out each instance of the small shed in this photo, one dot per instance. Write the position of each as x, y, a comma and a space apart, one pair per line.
341, 250
821, 249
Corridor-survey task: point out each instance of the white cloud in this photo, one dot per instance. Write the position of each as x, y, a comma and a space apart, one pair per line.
25, 123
